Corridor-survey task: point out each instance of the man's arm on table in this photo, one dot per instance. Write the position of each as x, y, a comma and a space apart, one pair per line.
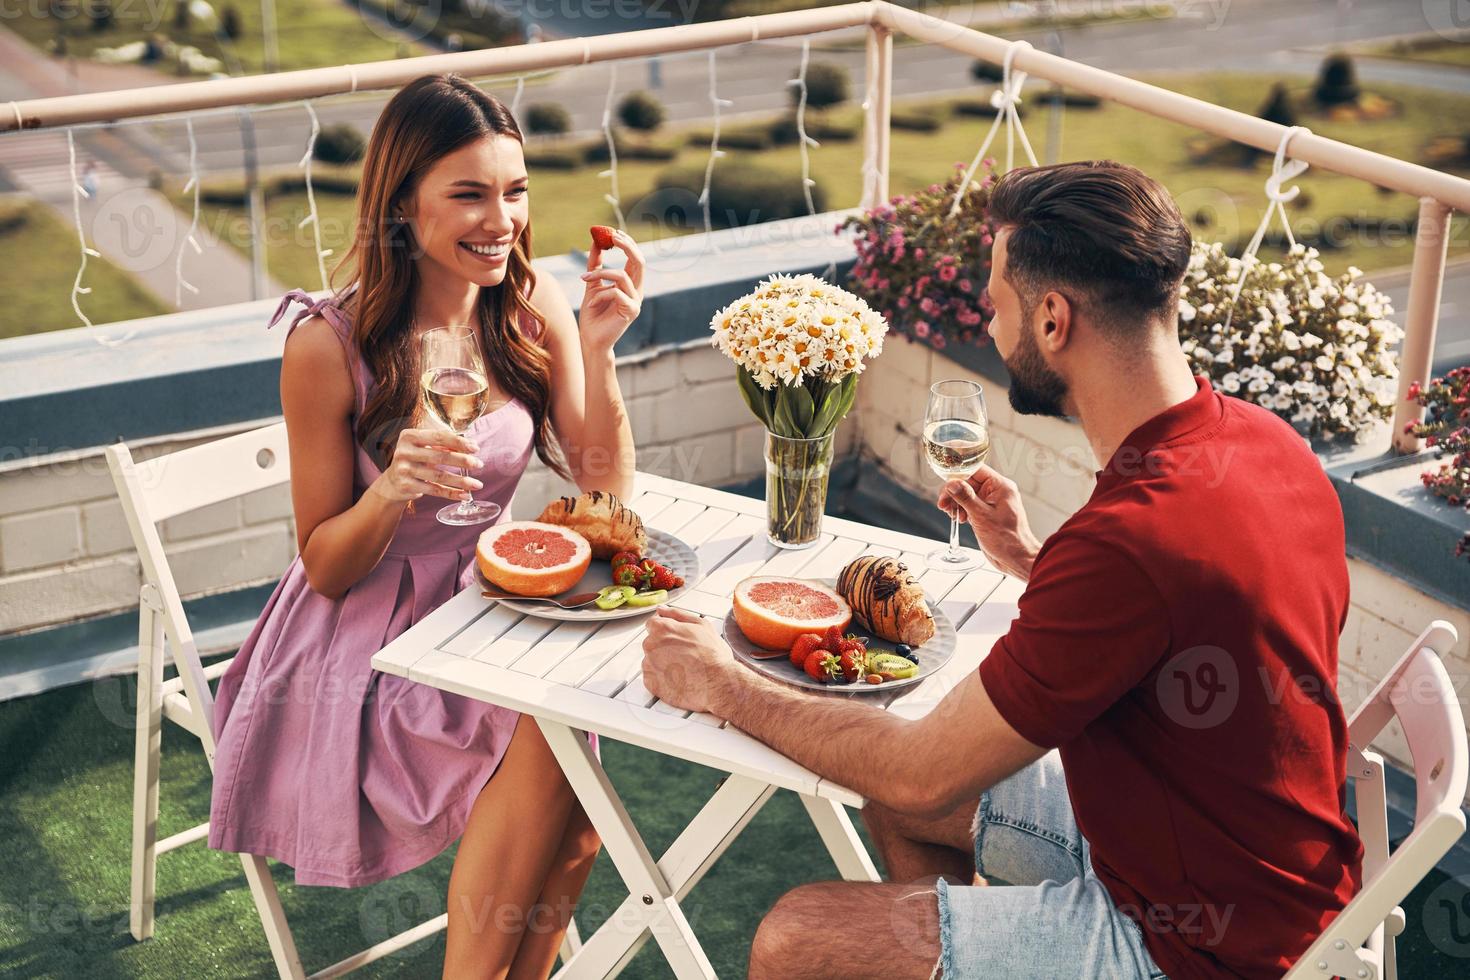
928, 765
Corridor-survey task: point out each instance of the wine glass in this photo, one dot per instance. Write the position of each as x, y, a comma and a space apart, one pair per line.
956, 442
456, 392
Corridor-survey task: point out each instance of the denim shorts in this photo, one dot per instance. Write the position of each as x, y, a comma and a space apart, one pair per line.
1052, 917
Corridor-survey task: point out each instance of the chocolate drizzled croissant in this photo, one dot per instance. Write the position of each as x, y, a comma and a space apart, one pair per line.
600, 517
887, 600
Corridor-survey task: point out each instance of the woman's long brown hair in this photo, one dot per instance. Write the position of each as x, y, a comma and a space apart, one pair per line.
428, 118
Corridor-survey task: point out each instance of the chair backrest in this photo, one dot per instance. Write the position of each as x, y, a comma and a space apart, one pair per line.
156, 489
1418, 693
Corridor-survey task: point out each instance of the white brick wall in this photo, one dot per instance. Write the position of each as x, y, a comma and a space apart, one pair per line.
1052, 464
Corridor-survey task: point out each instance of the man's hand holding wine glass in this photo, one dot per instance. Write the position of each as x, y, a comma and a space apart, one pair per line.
992, 505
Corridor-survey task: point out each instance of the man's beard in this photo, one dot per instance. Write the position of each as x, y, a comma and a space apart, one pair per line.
1035, 388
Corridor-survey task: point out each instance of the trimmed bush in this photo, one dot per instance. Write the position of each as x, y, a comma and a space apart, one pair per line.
181, 15
596, 151
339, 143
99, 12
568, 158
916, 121
547, 119
826, 85
985, 71
783, 131
642, 112
1337, 82
981, 107
736, 138
740, 194
14, 215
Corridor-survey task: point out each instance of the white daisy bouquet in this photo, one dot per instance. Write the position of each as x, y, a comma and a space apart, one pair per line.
1315, 349
799, 344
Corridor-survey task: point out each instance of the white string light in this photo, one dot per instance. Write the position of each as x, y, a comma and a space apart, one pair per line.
612, 149
1282, 170
716, 104
803, 140
77, 193
515, 100
180, 283
312, 217
1005, 99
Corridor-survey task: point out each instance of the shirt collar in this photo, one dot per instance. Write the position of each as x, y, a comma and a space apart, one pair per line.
1191, 417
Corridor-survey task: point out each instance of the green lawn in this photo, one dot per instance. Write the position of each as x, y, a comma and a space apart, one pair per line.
38, 263
1228, 199
312, 33
65, 799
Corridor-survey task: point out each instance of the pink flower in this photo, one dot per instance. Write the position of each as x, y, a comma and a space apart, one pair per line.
922, 284
927, 305
938, 341
987, 239
921, 329
882, 283
966, 286
947, 273
903, 302
918, 255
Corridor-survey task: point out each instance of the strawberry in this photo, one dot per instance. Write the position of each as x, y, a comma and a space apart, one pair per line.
854, 645
628, 573
663, 578
623, 557
854, 662
803, 647
832, 639
602, 236
822, 666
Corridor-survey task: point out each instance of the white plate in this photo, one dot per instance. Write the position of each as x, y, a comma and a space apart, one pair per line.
669, 551
932, 655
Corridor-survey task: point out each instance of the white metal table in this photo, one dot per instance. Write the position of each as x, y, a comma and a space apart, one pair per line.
581, 677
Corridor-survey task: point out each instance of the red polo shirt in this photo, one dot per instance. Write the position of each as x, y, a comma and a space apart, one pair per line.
1178, 642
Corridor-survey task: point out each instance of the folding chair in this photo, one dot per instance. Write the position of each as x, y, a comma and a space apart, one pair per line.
1359, 943
152, 491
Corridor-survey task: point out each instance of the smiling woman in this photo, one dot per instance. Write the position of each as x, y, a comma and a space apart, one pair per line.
351, 776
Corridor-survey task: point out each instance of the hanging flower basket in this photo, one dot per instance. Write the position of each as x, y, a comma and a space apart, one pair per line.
1315, 349
925, 268
799, 344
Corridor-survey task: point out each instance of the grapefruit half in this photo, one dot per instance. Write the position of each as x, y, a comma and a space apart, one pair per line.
772, 611
533, 559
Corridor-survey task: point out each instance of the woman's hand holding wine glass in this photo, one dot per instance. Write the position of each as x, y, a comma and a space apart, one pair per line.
456, 391
420, 459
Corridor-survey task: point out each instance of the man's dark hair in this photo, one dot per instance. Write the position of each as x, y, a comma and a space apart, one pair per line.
1104, 234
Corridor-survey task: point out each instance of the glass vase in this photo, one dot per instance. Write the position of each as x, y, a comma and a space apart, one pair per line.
797, 472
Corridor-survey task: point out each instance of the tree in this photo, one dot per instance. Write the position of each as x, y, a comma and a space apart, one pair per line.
1277, 107
826, 85
230, 24
181, 15
547, 119
1337, 82
641, 111
339, 143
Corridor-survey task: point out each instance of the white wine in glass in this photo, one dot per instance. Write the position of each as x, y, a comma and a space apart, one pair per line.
956, 442
456, 392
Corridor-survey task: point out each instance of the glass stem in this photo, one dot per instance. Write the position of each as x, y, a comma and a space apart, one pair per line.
954, 537
464, 505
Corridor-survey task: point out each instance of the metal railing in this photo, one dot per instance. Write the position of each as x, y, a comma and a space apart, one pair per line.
1438, 192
